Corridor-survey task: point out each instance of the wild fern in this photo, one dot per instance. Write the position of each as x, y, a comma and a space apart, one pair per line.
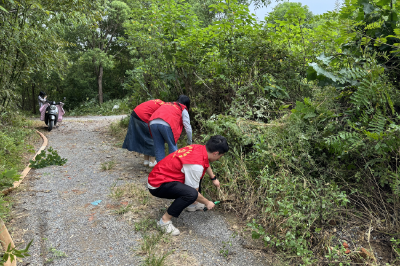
378, 122
343, 142
361, 98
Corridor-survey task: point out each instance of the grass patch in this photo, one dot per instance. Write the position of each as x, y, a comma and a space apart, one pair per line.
154, 244
17, 136
116, 193
158, 248
145, 225
118, 130
108, 165
123, 209
157, 259
5, 208
150, 241
135, 201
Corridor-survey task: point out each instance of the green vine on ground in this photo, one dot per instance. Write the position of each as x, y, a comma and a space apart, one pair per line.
44, 160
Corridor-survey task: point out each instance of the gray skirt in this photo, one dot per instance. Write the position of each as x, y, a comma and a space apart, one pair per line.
138, 137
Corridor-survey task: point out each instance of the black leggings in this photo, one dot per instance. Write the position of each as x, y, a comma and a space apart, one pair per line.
183, 195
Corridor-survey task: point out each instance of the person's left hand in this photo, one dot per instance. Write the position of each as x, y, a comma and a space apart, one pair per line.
216, 183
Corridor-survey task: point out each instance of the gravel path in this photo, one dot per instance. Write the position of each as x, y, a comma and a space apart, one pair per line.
54, 207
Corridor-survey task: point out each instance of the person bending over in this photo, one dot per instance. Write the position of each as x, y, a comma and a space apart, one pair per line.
138, 137
166, 125
178, 176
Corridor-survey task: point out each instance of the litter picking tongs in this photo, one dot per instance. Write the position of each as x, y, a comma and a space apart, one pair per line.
217, 202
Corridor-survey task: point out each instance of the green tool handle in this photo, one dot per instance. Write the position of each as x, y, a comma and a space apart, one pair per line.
215, 202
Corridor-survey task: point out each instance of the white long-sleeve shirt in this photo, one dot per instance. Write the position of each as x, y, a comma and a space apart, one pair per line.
186, 124
192, 173
41, 101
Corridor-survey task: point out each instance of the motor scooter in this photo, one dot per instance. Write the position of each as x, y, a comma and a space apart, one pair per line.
51, 113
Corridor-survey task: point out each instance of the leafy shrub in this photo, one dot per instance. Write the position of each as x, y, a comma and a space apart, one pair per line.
7, 178
271, 168
13, 253
360, 131
43, 160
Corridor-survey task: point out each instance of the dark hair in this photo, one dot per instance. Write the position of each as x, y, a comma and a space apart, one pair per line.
217, 143
41, 93
183, 99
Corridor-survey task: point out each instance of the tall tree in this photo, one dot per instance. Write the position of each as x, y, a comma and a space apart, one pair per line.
286, 9
98, 39
29, 43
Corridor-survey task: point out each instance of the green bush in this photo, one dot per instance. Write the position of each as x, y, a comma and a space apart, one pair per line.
335, 151
279, 186
7, 178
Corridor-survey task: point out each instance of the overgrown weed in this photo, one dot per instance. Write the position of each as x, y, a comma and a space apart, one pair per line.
123, 209
150, 241
154, 244
54, 254
156, 259
116, 192
287, 194
119, 129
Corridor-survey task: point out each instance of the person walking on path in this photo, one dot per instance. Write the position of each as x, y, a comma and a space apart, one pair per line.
41, 99
138, 137
166, 125
178, 177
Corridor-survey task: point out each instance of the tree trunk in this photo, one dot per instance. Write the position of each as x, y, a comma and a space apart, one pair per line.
100, 84
25, 94
33, 98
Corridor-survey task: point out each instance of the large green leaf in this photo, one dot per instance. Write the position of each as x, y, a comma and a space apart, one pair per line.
325, 77
2, 8
383, 2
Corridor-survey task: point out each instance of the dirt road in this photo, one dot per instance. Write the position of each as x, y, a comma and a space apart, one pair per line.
71, 211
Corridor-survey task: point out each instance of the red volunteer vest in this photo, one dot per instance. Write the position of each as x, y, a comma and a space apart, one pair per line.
146, 109
169, 168
172, 114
